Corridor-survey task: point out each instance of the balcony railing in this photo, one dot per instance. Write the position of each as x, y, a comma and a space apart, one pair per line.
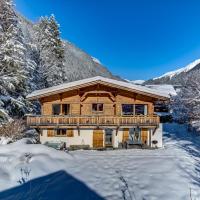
52, 120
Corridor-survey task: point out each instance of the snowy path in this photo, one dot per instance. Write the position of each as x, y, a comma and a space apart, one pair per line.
171, 173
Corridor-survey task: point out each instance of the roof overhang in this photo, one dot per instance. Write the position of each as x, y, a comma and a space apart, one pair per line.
38, 94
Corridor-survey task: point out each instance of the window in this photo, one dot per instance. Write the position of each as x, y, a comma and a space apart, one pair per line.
135, 134
60, 132
65, 109
127, 109
97, 107
140, 109
134, 109
56, 109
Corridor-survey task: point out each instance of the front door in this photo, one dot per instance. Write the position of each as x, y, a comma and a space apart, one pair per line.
97, 138
108, 137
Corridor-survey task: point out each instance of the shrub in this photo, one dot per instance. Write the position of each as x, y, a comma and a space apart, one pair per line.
13, 129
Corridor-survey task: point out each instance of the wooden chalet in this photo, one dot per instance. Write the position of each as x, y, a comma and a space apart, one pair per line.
98, 112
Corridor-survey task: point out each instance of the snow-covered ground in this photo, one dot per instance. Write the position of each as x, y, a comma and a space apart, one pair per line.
34, 171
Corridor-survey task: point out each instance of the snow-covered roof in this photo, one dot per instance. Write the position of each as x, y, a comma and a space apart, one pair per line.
98, 79
164, 88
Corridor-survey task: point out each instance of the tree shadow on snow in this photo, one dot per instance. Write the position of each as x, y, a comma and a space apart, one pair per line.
188, 141
58, 185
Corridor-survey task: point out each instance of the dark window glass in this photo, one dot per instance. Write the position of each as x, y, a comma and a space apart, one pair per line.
94, 107
135, 134
100, 107
65, 109
127, 109
56, 109
61, 132
97, 107
139, 109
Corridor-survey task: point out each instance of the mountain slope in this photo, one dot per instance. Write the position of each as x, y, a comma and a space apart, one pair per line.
176, 77
78, 64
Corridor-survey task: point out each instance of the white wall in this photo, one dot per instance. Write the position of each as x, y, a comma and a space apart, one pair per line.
117, 138
157, 136
85, 138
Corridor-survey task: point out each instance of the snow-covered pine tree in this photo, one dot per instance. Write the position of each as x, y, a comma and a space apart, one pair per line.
13, 62
186, 105
51, 51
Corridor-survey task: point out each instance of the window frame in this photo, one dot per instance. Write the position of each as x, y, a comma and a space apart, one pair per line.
134, 113
98, 105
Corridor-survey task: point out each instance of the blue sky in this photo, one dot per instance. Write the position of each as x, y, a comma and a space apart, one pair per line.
136, 39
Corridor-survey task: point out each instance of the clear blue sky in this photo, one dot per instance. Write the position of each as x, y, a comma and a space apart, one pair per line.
136, 39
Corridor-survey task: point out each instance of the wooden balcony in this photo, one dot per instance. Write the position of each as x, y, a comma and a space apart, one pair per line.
46, 121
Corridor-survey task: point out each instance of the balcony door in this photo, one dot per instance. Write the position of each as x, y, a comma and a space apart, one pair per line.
134, 109
127, 109
140, 109
65, 109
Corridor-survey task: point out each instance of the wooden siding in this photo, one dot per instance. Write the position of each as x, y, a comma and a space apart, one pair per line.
81, 101
50, 133
75, 109
70, 133
125, 136
97, 138
144, 135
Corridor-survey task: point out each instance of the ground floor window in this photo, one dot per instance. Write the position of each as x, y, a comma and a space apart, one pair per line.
135, 134
60, 132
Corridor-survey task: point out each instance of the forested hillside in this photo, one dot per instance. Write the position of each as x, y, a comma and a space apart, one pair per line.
33, 56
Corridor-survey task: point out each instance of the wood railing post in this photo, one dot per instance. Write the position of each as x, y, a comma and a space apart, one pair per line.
97, 120
78, 122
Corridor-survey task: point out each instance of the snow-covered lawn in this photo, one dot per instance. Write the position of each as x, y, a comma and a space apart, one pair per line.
34, 171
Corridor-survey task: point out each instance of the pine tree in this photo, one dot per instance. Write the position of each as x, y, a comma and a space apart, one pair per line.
12, 61
11, 45
51, 51
186, 105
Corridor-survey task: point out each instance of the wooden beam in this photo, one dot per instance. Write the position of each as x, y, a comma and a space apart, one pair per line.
97, 93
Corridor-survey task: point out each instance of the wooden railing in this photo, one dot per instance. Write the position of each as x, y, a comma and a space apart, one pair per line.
52, 120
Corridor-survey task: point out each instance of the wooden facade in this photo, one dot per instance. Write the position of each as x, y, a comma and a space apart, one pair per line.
97, 106
81, 101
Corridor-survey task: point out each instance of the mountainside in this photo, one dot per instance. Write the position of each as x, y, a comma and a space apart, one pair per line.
136, 82
33, 56
78, 64
176, 77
